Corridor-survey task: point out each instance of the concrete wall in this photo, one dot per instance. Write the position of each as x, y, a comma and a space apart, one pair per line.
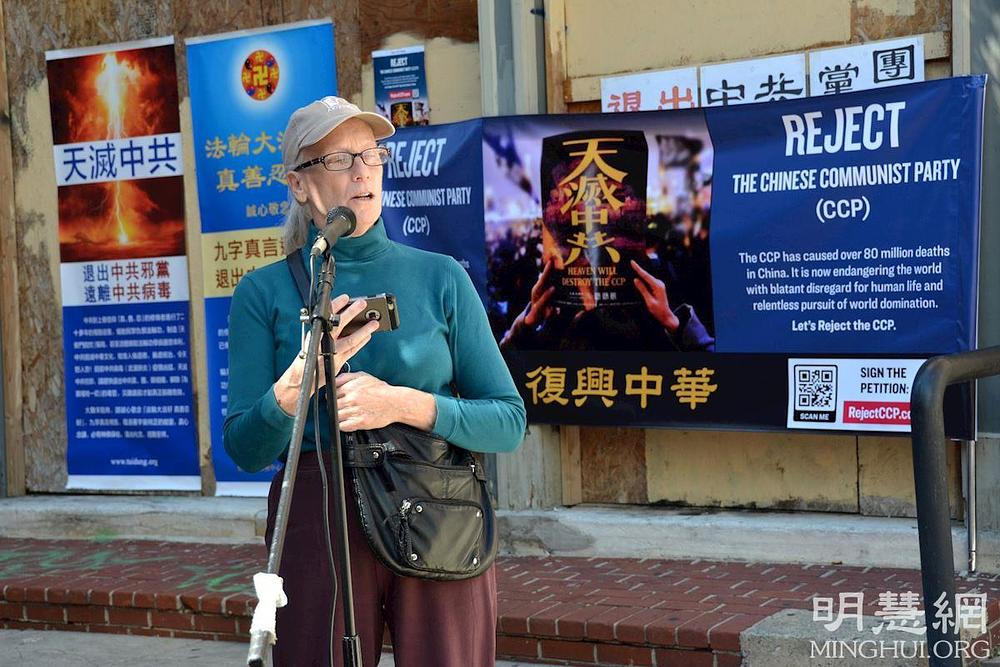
868, 475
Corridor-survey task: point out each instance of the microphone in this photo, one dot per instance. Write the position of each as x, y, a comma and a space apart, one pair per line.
340, 221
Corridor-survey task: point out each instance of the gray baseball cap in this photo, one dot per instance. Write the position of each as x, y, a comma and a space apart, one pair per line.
314, 121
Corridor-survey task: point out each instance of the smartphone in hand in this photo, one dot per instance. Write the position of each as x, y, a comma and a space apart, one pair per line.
380, 308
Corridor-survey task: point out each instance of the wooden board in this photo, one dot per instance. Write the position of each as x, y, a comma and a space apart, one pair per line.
555, 55
572, 472
454, 19
531, 476
10, 318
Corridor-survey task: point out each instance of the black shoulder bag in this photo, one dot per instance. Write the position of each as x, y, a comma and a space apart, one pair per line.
424, 503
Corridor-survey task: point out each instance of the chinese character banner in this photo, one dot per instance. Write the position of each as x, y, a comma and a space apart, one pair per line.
663, 268
244, 86
651, 91
749, 81
783, 77
119, 179
864, 66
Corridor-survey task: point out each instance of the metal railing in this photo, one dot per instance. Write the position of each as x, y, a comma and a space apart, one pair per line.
930, 469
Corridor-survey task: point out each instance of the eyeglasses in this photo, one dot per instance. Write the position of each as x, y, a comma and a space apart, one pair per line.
344, 160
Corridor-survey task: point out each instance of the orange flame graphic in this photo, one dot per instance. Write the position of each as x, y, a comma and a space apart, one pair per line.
113, 82
112, 96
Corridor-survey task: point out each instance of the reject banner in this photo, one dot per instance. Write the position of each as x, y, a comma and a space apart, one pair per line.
123, 267
244, 86
432, 193
711, 267
401, 86
865, 209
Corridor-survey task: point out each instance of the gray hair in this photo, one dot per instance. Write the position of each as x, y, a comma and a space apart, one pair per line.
295, 230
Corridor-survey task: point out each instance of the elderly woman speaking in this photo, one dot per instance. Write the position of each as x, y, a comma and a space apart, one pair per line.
439, 372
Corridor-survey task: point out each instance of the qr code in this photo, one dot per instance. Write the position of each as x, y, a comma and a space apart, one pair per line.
815, 387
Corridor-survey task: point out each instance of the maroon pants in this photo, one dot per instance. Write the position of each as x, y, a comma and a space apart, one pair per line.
432, 623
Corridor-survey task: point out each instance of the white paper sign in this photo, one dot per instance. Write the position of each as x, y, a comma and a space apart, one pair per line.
759, 80
851, 394
650, 91
873, 65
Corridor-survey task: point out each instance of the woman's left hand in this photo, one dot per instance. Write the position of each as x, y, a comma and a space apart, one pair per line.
365, 402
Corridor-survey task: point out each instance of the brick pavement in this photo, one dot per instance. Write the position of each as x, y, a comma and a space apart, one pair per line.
581, 611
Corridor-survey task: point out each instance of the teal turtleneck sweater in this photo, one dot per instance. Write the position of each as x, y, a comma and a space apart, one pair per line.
443, 337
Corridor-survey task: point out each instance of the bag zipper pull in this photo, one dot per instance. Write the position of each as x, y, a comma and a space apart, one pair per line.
405, 507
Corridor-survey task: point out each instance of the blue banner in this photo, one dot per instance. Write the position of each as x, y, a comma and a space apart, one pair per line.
244, 86
432, 193
778, 265
130, 382
848, 224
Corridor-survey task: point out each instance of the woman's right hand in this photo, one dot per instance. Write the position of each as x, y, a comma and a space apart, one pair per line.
288, 386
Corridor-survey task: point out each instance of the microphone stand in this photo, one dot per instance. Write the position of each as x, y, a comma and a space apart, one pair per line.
322, 326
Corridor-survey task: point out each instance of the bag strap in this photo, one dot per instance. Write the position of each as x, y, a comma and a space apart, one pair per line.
297, 267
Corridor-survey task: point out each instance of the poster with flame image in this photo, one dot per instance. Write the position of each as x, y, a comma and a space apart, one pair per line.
104, 103
125, 305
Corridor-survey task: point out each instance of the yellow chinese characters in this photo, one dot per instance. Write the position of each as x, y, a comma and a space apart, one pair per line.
643, 385
277, 174
252, 178
548, 385
595, 381
263, 140
581, 241
594, 192
226, 182
239, 145
693, 389
214, 148
552, 389
254, 175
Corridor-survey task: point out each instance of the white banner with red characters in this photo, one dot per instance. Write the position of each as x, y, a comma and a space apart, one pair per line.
782, 77
124, 272
651, 91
